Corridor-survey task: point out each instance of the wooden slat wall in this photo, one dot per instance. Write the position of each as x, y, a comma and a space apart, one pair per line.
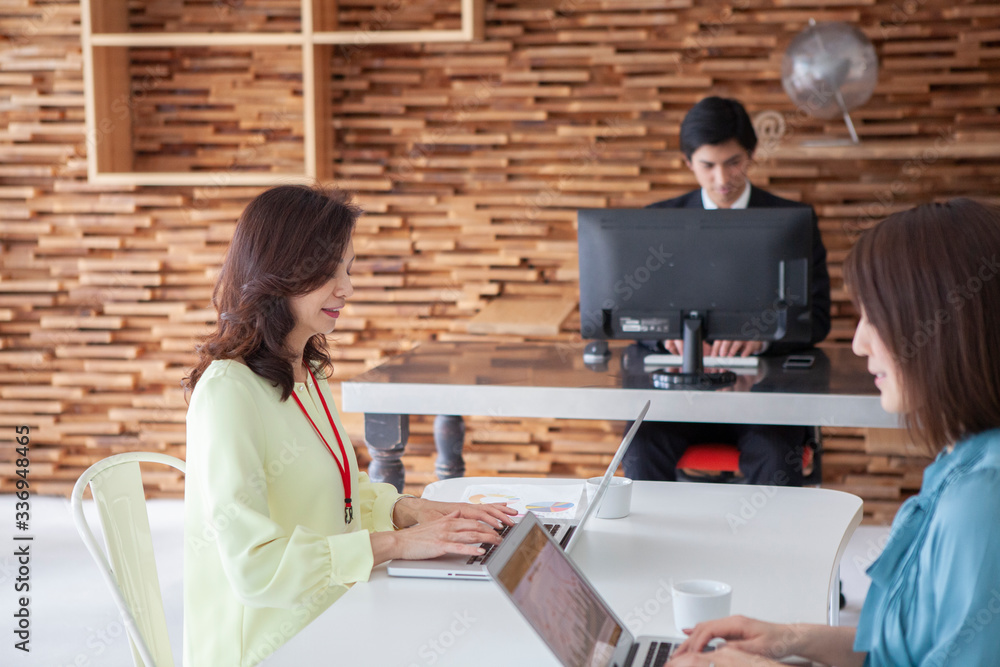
215, 15
226, 109
470, 160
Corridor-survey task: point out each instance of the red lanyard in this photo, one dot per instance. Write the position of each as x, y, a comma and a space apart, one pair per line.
345, 469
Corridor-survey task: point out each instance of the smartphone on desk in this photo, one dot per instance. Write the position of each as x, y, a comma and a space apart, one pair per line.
799, 361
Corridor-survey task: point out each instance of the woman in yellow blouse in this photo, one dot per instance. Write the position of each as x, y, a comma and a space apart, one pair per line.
279, 522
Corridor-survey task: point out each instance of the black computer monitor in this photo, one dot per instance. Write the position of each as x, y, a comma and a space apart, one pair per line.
696, 275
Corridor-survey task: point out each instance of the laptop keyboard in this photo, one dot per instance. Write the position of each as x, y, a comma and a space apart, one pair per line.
553, 528
658, 654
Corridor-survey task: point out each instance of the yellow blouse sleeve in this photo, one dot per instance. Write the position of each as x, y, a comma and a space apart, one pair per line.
269, 560
375, 501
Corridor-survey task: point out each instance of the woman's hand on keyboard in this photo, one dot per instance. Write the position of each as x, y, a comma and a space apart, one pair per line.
448, 534
744, 636
750, 642
410, 511
724, 657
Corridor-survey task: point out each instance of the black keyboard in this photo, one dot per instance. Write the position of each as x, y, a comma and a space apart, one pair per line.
491, 548
658, 654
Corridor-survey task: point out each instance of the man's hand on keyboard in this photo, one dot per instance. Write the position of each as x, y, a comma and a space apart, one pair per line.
719, 348
677, 347
735, 348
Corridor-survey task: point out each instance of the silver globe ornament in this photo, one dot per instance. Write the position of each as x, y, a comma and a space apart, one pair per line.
829, 69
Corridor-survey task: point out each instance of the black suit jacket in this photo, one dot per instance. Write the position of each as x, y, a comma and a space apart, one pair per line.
820, 275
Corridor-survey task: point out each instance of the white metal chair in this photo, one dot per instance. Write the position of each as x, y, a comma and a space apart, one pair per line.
131, 575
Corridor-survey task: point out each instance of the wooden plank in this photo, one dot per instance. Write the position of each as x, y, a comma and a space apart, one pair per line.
522, 317
111, 133
891, 441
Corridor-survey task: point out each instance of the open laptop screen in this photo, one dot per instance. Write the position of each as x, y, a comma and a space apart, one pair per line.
558, 602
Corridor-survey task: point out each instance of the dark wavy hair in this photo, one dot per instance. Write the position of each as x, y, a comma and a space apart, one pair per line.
289, 240
927, 279
716, 120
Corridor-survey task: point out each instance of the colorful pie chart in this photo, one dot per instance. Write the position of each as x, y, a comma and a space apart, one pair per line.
550, 506
483, 498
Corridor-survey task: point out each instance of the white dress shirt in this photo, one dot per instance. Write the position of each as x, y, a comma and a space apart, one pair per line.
742, 202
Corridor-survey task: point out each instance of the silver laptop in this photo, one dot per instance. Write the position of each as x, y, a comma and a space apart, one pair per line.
564, 531
563, 607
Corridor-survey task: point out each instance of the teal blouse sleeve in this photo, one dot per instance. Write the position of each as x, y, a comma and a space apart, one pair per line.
934, 599
962, 554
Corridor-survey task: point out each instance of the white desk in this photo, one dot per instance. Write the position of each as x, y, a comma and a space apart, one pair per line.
779, 547
551, 380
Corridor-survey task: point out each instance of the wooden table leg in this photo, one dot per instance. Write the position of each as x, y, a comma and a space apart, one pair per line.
449, 438
386, 436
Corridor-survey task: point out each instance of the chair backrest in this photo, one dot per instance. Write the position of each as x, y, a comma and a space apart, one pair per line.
116, 484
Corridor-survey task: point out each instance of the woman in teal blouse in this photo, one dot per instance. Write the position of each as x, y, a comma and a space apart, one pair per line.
278, 520
927, 285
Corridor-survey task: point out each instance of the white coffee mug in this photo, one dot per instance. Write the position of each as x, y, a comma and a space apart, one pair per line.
617, 499
700, 600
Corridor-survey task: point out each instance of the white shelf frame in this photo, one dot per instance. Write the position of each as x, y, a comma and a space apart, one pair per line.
109, 145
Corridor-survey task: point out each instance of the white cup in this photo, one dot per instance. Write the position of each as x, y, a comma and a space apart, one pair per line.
700, 600
617, 499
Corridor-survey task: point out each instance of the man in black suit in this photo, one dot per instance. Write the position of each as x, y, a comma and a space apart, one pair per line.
718, 141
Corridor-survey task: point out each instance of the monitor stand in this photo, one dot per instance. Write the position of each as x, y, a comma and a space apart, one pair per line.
692, 374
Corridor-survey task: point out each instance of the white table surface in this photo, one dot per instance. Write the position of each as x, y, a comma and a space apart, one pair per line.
779, 547
551, 380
